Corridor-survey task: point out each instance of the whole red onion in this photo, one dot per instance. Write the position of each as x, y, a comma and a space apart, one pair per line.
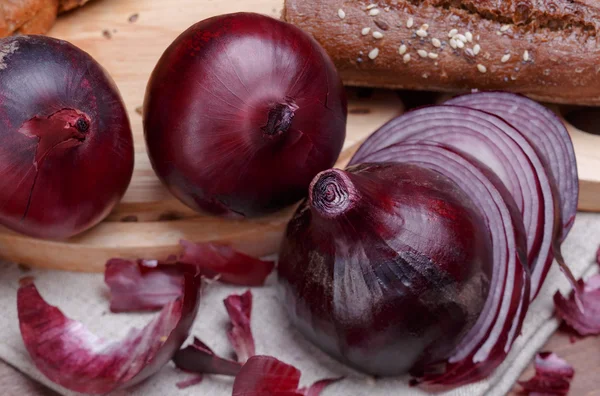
385, 266
241, 112
66, 156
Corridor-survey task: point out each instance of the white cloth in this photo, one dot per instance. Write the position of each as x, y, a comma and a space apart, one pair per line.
83, 297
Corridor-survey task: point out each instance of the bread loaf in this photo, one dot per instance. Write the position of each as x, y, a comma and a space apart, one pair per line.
548, 50
32, 16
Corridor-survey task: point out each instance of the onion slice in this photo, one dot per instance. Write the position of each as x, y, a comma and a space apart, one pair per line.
229, 265
266, 375
501, 147
548, 135
552, 376
239, 308
73, 357
485, 345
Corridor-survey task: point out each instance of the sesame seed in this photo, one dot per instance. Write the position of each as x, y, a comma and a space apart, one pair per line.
402, 49
374, 11
422, 53
505, 58
461, 37
476, 49
513, 78
365, 31
469, 36
579, 70
460, 44
436, 43
481, 68
526, 55
452, 43
421, 33
452, 33
387, 9
469, 52
409, 23
406, 58
424, 75
377, 35
341, 14
373, 53
424, 26
371, 6
499, 33
477, 38
432, 55
504, 28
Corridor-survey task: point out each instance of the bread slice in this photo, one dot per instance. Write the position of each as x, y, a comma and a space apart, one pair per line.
548, 50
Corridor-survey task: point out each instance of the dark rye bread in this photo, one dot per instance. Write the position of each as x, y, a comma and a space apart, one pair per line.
548, 50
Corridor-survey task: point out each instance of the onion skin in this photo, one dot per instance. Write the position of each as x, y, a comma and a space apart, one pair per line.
241, 112
67, 152
385, 266
66, 352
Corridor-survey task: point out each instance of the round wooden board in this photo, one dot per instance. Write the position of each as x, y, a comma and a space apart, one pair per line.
160, 220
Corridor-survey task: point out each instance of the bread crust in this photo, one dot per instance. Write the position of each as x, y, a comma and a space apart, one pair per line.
548, 50
32, 16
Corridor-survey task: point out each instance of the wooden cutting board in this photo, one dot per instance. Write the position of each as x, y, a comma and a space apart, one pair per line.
127, 37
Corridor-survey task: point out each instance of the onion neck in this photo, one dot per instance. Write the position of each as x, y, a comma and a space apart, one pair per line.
332, 193
65, 128
279, 119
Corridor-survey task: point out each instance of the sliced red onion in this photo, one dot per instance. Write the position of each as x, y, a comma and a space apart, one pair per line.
71, 356
239, 308
199, 358
490, 339
230, 266
266, 375
545, 131
552, 376
143, 285
501, 147
585, 321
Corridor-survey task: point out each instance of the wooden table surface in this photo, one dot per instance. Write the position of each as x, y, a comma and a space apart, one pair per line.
582, 353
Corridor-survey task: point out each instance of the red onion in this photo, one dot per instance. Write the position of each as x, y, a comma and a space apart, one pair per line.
70, 355
66, 156
489, 340
241, 112
506, 151
546, 133
386, 266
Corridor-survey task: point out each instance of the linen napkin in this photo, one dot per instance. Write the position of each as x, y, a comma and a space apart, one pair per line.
84, 297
